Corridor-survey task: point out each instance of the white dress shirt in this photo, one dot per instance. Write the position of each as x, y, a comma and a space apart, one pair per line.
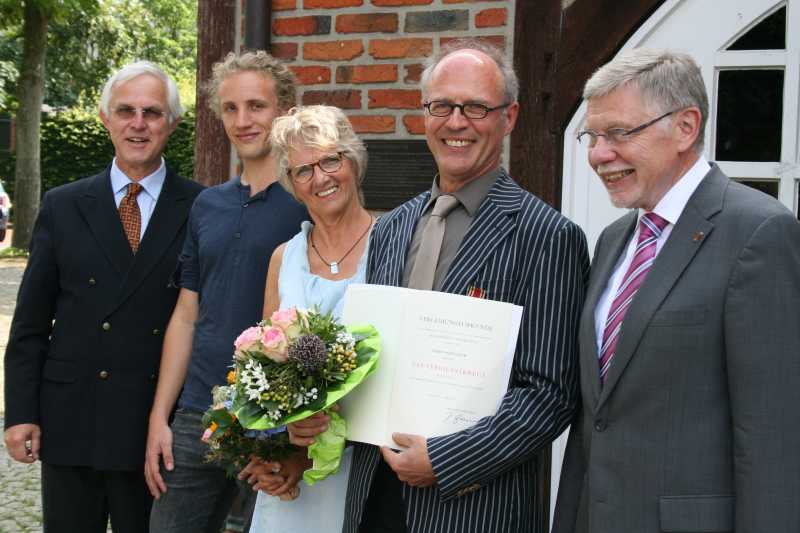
669, 208
147, 198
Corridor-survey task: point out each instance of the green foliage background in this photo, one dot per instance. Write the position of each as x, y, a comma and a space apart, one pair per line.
88, 39
75, 145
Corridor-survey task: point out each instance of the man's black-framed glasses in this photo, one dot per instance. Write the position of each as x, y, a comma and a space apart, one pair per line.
617, 136
443, 108
149, 114
304, 173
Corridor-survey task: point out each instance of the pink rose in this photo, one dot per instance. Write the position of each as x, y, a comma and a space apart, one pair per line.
290, 321
283, 318
276, 347
207, 435
248, 339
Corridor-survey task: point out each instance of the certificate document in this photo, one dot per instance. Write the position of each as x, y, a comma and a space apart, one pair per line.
445, 361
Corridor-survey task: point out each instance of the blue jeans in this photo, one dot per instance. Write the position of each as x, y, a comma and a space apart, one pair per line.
199, 494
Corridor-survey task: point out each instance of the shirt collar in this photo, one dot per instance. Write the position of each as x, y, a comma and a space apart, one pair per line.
674, 201
151, 184
244, 189
471, 195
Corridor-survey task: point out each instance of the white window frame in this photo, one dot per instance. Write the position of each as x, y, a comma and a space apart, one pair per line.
786, 171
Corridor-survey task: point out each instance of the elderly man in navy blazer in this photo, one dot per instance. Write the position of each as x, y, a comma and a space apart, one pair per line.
502, 243
82, 360
690, 336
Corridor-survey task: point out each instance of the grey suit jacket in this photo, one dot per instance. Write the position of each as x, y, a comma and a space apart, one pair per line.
519, 250
697, 428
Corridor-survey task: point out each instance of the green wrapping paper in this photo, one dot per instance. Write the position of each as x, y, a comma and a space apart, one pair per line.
327, 450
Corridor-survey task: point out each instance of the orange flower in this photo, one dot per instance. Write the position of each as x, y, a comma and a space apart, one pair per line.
231, 377
213, 427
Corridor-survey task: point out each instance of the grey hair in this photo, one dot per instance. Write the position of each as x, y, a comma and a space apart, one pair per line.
666, 80
260, 62
141, 68
319, 127
510, 81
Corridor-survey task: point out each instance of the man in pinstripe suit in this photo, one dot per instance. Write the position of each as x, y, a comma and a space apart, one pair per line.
501, 243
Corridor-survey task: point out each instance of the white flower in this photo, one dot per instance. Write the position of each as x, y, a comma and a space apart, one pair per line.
344, 338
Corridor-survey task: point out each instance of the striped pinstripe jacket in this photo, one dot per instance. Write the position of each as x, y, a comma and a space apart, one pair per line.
519, 250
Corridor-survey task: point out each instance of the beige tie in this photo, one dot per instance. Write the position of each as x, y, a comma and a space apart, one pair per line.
431, 244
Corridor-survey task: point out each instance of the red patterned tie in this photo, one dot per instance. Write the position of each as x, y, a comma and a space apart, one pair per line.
650, 228
130, 215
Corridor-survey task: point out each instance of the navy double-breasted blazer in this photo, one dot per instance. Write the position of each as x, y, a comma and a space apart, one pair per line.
85, 344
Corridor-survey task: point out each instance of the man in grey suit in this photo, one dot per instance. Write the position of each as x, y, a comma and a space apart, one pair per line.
500, 242
690, 334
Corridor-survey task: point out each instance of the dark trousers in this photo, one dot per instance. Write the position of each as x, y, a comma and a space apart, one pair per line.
199, 494
80, 498
384, 511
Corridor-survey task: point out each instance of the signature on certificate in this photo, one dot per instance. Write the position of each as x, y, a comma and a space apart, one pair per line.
457, 418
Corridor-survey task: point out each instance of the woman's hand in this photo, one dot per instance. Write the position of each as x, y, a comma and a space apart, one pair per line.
302, 433
292, 473
262, 475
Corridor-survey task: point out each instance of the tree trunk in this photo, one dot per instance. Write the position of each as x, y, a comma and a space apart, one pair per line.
215, 29
28, 179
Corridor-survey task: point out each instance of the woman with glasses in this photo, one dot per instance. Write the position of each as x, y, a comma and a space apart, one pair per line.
321, 162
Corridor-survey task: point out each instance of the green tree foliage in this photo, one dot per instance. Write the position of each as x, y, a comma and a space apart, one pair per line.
88, 43
75, 145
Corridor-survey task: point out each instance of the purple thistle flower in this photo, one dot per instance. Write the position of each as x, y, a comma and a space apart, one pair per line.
309, 352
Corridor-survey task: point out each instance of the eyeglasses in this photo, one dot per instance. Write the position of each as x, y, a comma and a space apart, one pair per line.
616, 136
442, 108
149, 114
304, 173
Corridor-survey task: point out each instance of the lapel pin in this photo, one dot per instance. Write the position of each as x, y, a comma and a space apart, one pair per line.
476, 292
698, 236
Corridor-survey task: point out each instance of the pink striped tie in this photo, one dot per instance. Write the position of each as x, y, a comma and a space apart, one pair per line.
650, 228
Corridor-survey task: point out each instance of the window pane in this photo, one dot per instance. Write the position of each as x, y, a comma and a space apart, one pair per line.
749, 115
767, 187
769, 34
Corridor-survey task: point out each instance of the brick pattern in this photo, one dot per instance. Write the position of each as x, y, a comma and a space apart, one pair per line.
366, 56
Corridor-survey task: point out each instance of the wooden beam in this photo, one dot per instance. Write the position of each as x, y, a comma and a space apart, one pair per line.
557, 46
215, 38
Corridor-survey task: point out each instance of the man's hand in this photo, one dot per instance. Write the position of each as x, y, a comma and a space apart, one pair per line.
412, 465
159, 444
23, 442
302, 433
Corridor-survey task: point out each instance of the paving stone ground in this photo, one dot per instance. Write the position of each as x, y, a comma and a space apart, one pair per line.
20, 499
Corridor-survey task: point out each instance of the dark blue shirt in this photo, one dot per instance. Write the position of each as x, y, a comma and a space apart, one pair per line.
230, 239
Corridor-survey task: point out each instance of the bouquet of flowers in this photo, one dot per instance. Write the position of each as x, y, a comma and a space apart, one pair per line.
230, 444
287, 368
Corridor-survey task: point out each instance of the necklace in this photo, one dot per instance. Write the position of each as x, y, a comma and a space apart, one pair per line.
334, 265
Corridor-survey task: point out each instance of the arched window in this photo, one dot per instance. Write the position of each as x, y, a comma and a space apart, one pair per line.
755, 126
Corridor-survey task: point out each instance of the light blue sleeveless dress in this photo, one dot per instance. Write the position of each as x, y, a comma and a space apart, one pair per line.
318, 508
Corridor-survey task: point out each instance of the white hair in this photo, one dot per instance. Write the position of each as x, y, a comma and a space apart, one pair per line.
140, 68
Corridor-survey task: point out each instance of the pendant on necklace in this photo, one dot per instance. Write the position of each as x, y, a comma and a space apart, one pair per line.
334, 267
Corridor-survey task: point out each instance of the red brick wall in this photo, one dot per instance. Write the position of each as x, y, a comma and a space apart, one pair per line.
365, 55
